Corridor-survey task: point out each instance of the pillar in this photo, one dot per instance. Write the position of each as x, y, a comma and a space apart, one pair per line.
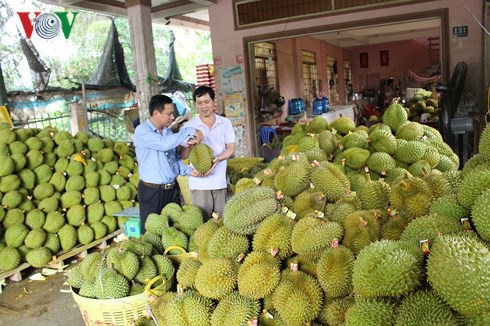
145, 68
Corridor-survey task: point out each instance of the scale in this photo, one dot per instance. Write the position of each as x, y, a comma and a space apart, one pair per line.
132, 227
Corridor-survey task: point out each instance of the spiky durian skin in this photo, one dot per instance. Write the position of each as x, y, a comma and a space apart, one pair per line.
204, 232
312, 234
186, 274
356, 158
334, 271
370, 312
361, 228
190, 309
429, 227
201, 156
472, 185
424, 306
298, 298
484, 144
459, 271
480, 215
387, 269
227, 244
374, 195
112, 285
259, 275
293, 178
328, 179
449, 206
412, 196
395, 116
244, 211
275, 232
333, 311
394, 226
216, 278
235, 309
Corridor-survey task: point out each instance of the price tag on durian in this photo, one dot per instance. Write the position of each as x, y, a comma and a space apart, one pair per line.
291, 214
335, 243
116, 186
350, 194
279, 195
274, 251
334, 131
294, 157
312, 186
253, 322
257, 181
293, 266
268, 314
341, 146
366, 169
215, 215
343, 161
281, 157
315, 163
424, 246
284, 209
318, 214
240, 257
392, 212
383, 173
268, 172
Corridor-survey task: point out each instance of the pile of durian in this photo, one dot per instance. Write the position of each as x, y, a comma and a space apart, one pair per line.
350, 226
58, 191
422, 107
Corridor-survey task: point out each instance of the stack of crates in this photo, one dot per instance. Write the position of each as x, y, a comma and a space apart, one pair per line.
205, 75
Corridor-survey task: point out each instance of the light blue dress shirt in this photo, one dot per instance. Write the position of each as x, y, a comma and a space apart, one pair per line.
157, 154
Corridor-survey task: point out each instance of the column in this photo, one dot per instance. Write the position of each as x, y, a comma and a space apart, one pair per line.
139, 15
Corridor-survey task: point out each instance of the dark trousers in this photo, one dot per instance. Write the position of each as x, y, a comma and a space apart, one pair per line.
152, 200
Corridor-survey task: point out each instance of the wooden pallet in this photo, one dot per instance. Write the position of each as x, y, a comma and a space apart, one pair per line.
58, 260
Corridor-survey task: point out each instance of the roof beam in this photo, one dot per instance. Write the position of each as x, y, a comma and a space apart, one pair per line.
174, 9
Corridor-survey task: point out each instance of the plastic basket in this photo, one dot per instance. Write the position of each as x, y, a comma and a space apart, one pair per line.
114, 312
158, 286
178, 258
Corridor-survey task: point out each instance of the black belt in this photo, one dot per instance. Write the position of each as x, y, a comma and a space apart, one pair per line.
159, 185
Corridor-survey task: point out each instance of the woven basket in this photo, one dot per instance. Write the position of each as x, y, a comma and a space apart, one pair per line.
178, 258
114, 312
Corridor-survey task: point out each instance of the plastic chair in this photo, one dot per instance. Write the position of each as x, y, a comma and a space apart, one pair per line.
266, 132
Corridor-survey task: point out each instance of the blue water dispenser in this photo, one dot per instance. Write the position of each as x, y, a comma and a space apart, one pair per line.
325, 104
317, 106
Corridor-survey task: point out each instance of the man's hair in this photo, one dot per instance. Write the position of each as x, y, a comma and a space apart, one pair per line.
203, 90
157, 102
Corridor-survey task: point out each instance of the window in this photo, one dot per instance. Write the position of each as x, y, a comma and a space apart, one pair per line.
266, 66
331, 90
310, 76
349, 88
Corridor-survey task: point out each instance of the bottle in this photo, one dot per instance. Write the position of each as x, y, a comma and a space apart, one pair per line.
325, 104
317, 106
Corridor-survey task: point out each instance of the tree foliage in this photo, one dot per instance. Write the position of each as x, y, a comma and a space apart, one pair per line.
74, 60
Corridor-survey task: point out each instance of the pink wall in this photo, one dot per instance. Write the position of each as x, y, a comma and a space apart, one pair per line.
228, 45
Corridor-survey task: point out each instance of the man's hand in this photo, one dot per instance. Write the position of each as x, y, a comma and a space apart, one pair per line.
196, 173
216, 160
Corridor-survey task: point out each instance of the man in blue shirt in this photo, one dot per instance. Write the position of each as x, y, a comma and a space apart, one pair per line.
159, 161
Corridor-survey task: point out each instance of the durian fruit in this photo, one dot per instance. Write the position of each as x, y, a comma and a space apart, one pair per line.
411, 151
410, 131
189, 308
38, 257
138, 246
344, 125
216, 278
316, 125
429, 227
356, 158
374, 194
395, 225
382, 141
173, 211
311, 235
459, 272
395, 116
387, 269
244, 211
334, 270
473, 184
244, 184
424, 306
164, 266
201, 157
412, 196
298, 298
155, 240
327, 141
186, 274
191, 217
370, 311
225, 243
480, 215
235, 309
15, 235
156, 223
274, 233
173, 237
381, 163
75, 277
356, 139
328, 179
68, 237
308, 200
307, 143
484, 144
10, 258
338, 211
147, 269
333, 311
293, 178
361, 228
35, 238
111, 285
125, 263
259, 275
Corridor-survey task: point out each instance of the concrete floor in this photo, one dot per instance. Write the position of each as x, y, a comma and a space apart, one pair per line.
39, 303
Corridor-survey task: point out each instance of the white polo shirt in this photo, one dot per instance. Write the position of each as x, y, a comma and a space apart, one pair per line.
216, 137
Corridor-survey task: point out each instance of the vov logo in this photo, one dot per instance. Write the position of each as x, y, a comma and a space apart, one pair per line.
47, 25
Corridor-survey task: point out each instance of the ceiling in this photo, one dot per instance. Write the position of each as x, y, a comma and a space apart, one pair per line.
194, 14
386, 33
189, 13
